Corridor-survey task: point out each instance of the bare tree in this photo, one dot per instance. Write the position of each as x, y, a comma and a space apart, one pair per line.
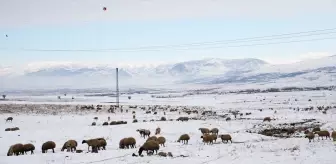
129, 97
4, 96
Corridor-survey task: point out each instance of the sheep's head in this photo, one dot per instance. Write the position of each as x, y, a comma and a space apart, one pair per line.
84, 141
140, 150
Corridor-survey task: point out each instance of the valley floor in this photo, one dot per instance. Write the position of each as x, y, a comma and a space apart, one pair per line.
39, 127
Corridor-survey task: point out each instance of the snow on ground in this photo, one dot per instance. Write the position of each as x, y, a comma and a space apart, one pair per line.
246, 147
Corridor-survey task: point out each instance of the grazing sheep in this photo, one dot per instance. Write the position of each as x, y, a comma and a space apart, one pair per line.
204, 130
161, 140
149, 146
93, 124
29, 147
96, 118
170, 154
184, 138
310, 136
157, 131
9, 119
162, 154
226, 137
15, 149
207, 139
94, 143
70, 145
333, 135
322, 134
48, 145
127, 143
105, 123
153, 138
267, 119
135, 121
8, 129
214, 131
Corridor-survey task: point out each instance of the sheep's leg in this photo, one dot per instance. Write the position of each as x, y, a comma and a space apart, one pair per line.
53, 150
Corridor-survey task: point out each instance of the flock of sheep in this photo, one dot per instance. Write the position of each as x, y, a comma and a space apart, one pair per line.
152, 144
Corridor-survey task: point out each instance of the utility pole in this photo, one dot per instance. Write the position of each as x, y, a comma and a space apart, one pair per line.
117, 87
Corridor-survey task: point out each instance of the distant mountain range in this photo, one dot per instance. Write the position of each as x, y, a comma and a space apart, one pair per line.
206, 71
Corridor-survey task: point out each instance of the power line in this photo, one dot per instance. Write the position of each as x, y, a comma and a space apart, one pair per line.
199, 44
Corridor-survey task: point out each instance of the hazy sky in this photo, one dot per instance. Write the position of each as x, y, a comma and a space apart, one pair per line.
82, 24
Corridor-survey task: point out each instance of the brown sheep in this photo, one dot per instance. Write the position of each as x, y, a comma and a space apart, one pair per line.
70, 145
322, 134
8, 129
154, 138
93, 124
48, 145
157, 131
170, 154
267, 119
310, 136
214, 131
94, 143
9, 119
204, 130
207, 139
161, 140
226, 137
149, 146
184, 138
333, 135
15, 149
29, 147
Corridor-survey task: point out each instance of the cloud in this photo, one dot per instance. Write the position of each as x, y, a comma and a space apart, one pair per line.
37, 12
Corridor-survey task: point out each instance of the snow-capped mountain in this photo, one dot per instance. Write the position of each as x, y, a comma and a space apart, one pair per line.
206, 71
197, 68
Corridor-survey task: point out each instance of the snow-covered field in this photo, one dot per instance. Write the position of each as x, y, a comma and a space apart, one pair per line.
61, 123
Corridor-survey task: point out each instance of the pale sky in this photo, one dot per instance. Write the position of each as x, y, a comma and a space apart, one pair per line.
82, 24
